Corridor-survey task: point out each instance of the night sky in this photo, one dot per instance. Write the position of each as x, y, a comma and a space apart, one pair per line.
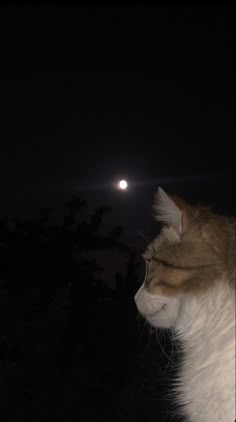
91, 94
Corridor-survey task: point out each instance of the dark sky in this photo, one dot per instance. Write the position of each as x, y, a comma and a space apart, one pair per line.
91, 93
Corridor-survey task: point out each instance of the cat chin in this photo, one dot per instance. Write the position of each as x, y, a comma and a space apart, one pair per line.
160, 311
164, 318
157, 323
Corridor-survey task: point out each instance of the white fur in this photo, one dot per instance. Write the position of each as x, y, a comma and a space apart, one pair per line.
206, 326
206, 384
166, 210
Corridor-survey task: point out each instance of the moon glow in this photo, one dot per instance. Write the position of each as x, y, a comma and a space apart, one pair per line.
123, 184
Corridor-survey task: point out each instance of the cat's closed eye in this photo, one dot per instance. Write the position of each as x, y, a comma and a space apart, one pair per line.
147, 259
162, 283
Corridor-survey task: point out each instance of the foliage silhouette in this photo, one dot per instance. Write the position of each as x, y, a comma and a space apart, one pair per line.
68, 341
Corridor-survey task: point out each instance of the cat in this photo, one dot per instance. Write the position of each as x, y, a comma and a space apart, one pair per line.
189, 287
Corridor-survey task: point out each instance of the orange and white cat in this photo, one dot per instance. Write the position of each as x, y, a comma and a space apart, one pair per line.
190, 287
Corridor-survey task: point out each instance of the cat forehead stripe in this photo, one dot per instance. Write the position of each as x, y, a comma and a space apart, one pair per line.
168, 237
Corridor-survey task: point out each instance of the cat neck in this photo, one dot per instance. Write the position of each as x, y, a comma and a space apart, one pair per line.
210, 316
206, 382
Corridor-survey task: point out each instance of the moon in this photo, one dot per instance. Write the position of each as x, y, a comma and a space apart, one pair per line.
123, 184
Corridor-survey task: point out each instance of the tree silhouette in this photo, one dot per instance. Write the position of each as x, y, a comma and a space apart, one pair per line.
126, 285
38, 257
62, 328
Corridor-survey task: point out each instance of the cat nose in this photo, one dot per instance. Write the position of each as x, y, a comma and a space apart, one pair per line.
148, 281
146, 274
139, 292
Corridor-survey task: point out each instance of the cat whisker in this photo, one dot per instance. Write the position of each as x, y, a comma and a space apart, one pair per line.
163, 351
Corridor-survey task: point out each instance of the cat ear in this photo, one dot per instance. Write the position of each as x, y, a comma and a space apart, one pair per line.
172, 211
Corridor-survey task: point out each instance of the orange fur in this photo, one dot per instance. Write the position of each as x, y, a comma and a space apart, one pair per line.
205, 252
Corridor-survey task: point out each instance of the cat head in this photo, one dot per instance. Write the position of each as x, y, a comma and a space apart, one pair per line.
192, 252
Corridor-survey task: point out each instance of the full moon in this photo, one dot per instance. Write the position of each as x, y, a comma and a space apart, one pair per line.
123, 184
